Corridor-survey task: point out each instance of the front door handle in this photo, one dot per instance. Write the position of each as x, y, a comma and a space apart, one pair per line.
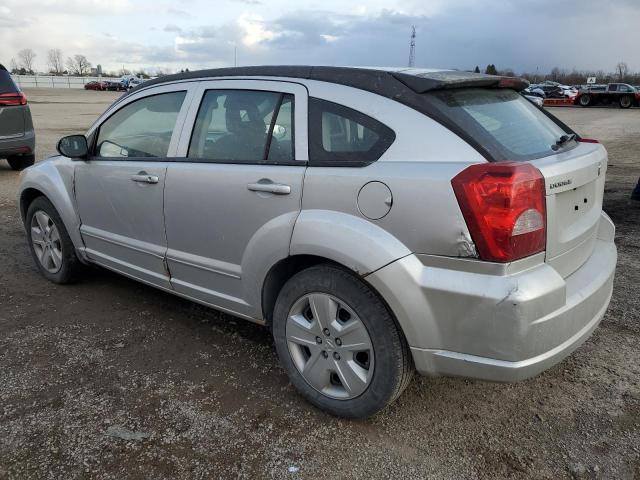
277, 188
144, 177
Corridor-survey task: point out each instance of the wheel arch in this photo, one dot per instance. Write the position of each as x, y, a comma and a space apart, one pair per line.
286, 268
27, 196
280, 273
52, 179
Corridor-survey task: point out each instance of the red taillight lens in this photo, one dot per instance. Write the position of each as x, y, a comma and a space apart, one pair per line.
503, 205
588, 140
12, 98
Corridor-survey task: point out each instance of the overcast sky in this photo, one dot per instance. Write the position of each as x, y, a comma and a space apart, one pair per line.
519, 34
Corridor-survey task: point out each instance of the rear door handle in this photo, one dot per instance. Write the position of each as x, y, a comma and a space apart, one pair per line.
277, 188
143, 177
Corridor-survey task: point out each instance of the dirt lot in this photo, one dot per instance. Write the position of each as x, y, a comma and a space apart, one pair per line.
112, 379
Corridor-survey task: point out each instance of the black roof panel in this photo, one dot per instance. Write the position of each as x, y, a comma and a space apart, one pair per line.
385, 82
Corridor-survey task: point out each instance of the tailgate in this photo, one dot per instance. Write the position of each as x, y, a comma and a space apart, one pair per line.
12, 121
574, 182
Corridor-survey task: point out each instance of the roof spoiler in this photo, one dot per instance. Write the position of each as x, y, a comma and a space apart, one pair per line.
453, 79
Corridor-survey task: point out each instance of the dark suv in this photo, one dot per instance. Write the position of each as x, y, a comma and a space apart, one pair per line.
17, 137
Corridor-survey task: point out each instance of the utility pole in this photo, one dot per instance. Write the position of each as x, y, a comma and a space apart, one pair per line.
412, 47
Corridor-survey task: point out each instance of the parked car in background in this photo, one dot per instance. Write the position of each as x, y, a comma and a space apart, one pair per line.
113, 86
535, 98
552, 90
134, 82
569, 92
95, 85
17, 136
622, 94
534, 90
374, 220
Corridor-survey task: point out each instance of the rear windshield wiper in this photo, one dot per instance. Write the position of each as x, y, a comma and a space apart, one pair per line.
563, 140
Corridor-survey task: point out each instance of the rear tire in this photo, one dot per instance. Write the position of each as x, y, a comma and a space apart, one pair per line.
20, 162
50, 245
355, 318
625, 101
585, 100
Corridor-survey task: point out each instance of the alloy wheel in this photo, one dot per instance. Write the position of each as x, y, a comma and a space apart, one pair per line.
46, 241
330, 346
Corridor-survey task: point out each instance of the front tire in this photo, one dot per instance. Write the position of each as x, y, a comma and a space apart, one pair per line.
339, 343
20, 162
50, 245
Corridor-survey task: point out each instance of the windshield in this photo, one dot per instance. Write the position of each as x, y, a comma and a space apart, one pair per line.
502, 121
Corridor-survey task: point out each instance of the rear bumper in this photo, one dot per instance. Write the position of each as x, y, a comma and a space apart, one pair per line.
23, 145
497, 322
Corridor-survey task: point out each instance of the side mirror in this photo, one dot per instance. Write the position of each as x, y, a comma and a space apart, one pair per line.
73, 146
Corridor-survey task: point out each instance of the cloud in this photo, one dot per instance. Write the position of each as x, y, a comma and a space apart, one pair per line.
522, 35
176, 12
172, 28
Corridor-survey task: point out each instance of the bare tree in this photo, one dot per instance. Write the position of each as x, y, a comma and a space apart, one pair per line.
14, 66
556, 74
622, 69
78, 65
55, 62
26, 56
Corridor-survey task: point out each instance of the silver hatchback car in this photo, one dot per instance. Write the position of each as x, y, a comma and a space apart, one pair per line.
377, 220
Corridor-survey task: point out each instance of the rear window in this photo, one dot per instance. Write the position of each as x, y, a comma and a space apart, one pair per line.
508, 126
6, 83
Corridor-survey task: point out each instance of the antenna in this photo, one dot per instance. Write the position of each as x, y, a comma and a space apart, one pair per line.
412, 47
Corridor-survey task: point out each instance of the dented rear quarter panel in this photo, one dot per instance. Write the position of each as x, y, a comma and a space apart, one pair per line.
424, 215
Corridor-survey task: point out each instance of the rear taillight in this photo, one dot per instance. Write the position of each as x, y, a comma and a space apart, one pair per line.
503, 205
587, 140
12, 98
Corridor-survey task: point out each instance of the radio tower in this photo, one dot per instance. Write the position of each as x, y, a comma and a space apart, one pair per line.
412, 47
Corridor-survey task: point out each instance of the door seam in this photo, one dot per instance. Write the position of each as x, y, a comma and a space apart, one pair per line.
165, 263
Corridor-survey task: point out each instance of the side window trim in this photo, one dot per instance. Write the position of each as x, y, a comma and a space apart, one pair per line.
94, 130
272, 124
299, 113
318, 106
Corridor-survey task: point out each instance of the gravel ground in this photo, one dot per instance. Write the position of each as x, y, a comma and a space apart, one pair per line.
112, 379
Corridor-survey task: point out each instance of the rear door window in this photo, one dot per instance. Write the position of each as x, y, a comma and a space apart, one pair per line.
244, 126
341, 136
508, 126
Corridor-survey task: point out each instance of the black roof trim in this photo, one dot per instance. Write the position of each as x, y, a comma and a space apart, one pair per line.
370, 79
2, 67
403, 85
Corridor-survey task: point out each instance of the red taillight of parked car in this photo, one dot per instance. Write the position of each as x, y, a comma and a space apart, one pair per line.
12, 98
588, 140
503, 204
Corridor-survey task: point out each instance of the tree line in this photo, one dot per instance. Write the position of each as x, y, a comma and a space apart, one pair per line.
621, 74
75, 65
